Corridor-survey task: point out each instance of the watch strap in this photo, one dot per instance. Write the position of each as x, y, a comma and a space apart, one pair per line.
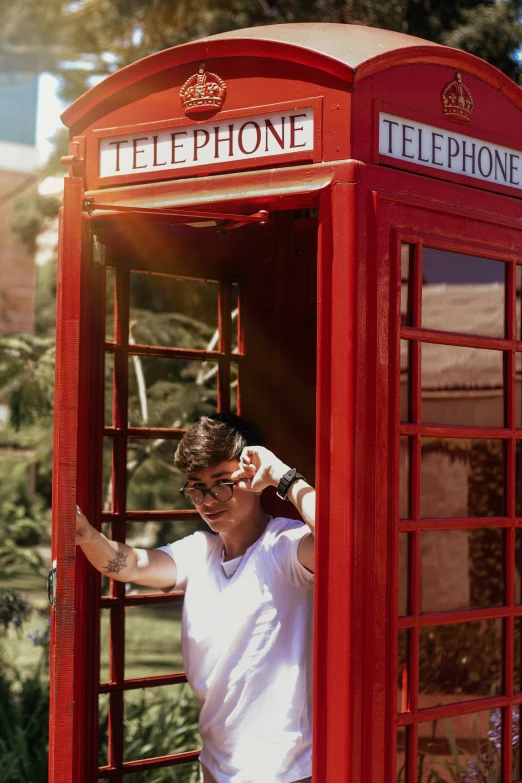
286, 481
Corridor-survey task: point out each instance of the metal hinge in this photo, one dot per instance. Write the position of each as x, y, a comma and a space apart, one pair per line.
97, 251
51, 585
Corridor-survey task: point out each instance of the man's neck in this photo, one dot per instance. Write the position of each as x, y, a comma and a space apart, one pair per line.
237, 542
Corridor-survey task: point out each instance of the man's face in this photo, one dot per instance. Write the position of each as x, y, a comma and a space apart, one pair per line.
222, 515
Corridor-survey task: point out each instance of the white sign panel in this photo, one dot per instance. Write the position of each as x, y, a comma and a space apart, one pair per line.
240, 138
438, 148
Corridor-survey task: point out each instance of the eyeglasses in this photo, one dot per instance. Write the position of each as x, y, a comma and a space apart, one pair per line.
221, 492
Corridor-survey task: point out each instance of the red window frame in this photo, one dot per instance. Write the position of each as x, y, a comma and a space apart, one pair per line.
120, 433
491, 233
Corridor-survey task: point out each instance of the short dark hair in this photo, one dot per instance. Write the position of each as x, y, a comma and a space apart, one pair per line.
217, 438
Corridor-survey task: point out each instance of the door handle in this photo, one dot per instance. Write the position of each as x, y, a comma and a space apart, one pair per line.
51, 585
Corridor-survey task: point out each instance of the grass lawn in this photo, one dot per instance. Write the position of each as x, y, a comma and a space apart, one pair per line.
152, 641
152, 634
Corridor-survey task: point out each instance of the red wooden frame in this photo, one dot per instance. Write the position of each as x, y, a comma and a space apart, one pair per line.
61, 728
405, 217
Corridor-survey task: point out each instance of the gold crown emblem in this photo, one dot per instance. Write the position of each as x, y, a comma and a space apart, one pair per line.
203, 92
457, 102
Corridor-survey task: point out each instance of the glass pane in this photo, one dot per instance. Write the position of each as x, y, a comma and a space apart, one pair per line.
473, 572
518, 479
401, 773
152, 640
406, 283
173, 311
462, 478
105, 585
459, 662
518, 565
103, 724
462, 293
466, 748
105, 622
109, 390
107, 488
150, 535
405, 478
234, 379
403, 690
515, 742
234, 305
518, 390
405, 380
180, 773
153, 482
160, 721
517, 672
110, 287
462, 386
404, 574
170, 392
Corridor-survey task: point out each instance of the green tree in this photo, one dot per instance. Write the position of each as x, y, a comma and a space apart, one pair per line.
91, 38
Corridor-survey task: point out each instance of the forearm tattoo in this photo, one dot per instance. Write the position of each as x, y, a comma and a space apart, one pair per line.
116, 565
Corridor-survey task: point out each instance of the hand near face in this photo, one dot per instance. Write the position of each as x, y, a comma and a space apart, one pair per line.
259, 468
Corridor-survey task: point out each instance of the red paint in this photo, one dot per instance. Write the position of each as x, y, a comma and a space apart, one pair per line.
61, 729
320, 333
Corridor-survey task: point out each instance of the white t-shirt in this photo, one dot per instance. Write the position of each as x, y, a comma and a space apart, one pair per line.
247, 649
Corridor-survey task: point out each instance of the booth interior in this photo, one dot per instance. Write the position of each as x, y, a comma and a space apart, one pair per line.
220, 316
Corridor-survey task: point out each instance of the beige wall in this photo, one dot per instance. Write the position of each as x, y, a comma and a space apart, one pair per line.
17, 269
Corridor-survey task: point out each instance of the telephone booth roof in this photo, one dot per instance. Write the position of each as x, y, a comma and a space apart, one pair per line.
340, 83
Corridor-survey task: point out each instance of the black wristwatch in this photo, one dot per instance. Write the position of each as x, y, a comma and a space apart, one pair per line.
285, 481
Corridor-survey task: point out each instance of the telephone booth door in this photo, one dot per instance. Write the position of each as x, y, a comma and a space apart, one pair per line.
443, 280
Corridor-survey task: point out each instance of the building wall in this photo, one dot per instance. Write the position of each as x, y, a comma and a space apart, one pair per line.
17, 270
18, 165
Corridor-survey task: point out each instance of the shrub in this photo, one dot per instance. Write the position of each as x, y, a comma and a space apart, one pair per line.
24, 729
158, 724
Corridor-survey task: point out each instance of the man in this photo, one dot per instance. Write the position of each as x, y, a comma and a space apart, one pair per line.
248, 602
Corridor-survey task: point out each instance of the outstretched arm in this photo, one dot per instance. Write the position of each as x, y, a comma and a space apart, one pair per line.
260, 468
151, 568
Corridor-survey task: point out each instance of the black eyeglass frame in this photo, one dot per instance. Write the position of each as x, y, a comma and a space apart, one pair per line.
185, 491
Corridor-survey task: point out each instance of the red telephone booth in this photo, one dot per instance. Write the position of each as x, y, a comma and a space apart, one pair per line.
345, 202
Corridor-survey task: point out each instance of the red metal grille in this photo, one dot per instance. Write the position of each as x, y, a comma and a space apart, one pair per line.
413, 715
228, 356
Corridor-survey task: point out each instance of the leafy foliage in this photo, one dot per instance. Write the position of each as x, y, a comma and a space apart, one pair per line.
27, 377
31, 213
88, 39
23, 729
26, 385
24, 514
13, 609
159, 724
